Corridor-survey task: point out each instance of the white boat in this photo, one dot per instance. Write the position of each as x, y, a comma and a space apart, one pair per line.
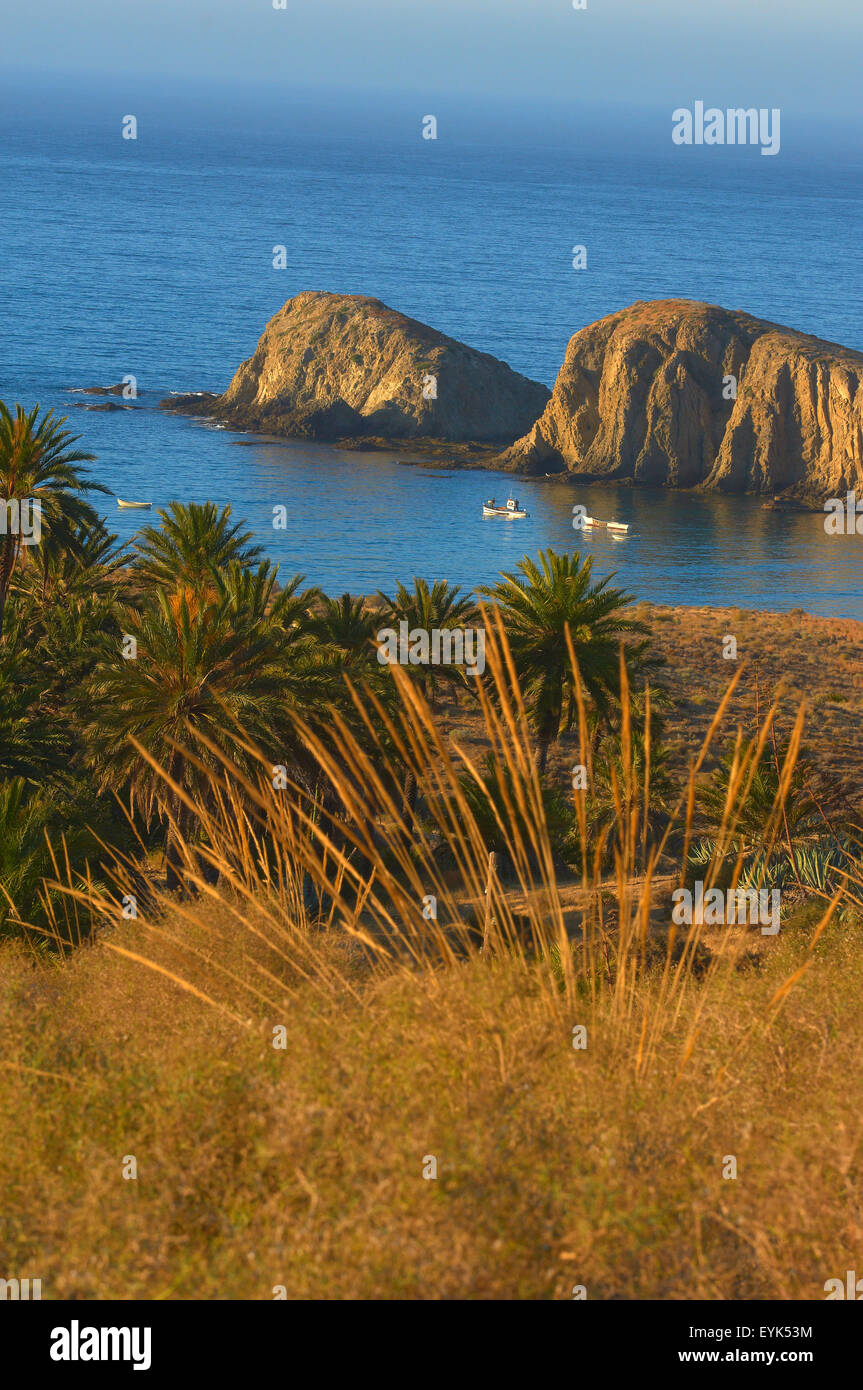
621, 527
511, 510
134, 506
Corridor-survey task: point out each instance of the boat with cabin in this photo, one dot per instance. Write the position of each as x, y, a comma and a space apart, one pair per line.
512, 510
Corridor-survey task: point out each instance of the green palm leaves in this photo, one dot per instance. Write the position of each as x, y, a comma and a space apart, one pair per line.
193, 540
195, 662
429, 609
346, 625
538, 604
38, 465
140, 670
211, 654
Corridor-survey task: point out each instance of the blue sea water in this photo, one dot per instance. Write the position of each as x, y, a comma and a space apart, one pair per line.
154, 258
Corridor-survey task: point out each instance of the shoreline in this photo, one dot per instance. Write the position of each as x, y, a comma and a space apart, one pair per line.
661, 611
465, 455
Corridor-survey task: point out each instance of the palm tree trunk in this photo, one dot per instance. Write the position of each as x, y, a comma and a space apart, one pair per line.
7, 564
547, 732
175, 859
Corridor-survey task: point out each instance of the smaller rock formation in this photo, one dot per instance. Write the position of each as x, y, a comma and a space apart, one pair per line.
345, 367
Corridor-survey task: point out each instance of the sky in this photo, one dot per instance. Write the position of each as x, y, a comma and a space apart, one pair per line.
496, 57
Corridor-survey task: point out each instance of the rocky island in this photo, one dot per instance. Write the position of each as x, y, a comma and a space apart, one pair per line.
667, 393
344, 367
674, 393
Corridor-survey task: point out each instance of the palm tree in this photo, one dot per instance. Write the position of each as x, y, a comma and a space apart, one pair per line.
194, 541
428, 609
60, 607
207, 663
33, 745
25, 855
38, 465
621, 782
71, 571
88, 561
496, 807
537, 605
348, 627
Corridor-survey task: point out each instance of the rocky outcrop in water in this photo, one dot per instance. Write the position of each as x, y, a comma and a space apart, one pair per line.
341, 367
122, 388
681, 394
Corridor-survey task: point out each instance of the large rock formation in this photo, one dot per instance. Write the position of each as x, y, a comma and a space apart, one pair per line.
344, 366
646, 395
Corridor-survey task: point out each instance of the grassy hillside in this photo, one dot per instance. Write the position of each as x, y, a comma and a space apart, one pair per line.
325, 977
303, 1167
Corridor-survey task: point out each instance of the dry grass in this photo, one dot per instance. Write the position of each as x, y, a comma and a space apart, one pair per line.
802, 657
406, 1039
303, 1167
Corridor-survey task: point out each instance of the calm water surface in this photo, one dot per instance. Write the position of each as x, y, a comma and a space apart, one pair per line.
361, 521
155, 258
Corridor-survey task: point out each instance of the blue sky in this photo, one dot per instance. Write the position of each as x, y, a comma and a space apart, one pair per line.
652, 54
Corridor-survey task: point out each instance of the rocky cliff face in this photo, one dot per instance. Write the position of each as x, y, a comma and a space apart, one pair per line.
645, 395
336, 366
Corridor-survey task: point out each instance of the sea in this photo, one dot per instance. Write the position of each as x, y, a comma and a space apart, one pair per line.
153, 258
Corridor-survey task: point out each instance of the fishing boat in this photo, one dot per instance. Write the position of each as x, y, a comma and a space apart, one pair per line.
134, 506
619, 527
511, 510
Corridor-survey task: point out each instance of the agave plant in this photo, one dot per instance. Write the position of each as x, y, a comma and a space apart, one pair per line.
819, 865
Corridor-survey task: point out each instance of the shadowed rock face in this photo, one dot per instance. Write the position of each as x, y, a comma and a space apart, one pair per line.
334, 366
641, 396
